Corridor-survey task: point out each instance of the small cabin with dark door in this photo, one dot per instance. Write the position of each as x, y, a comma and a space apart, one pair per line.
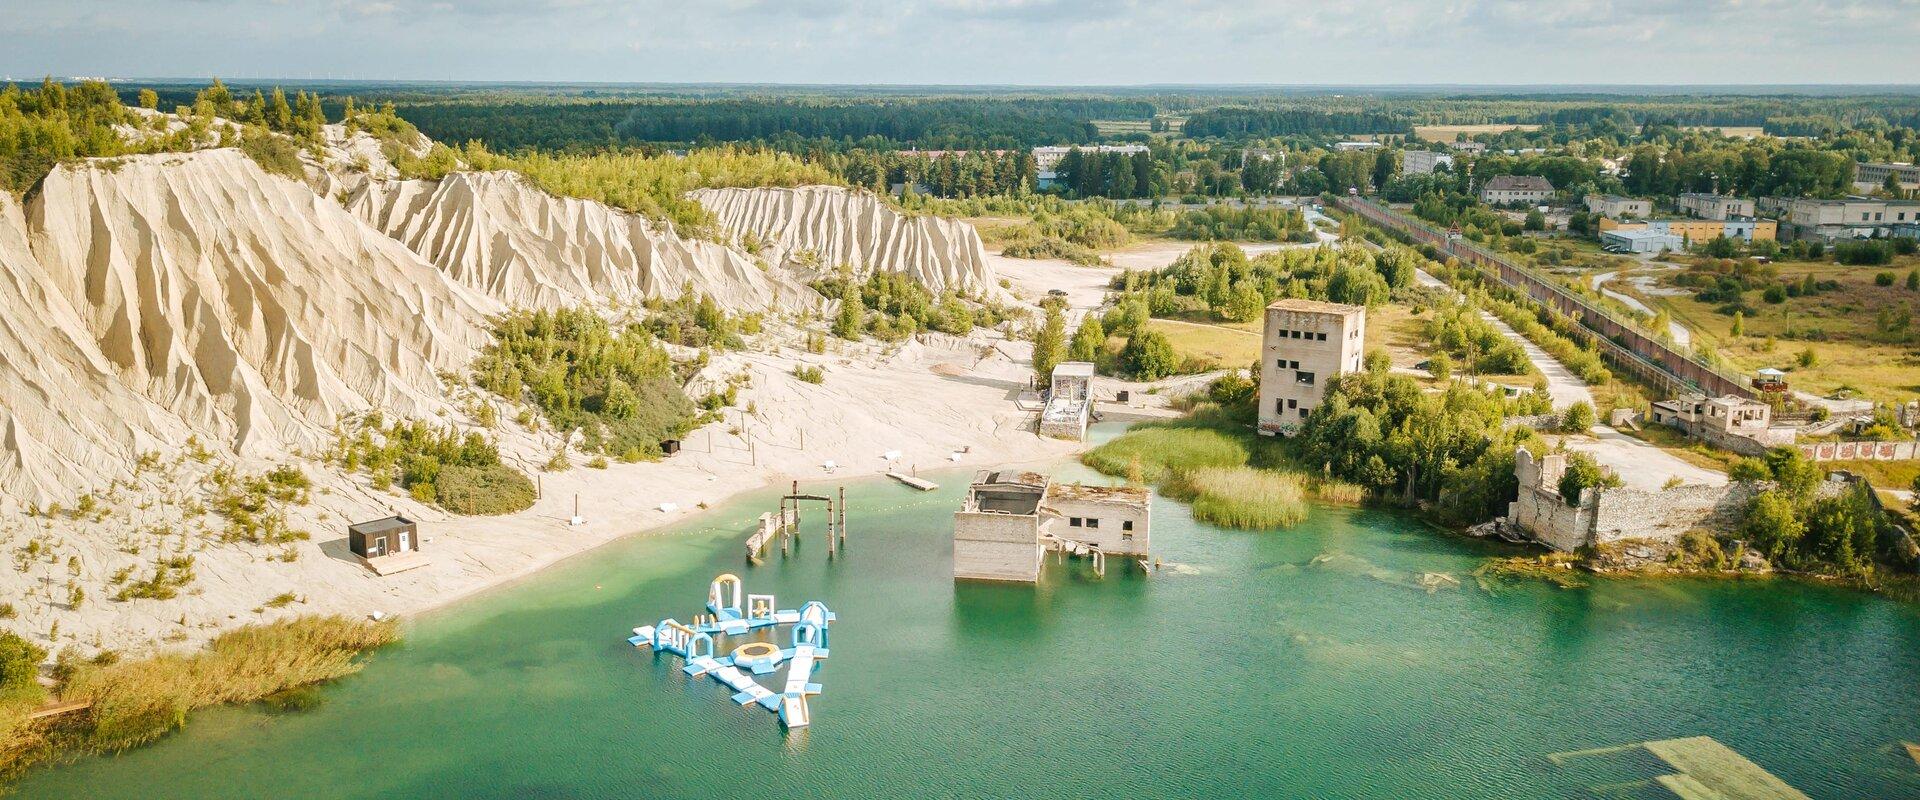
382, 537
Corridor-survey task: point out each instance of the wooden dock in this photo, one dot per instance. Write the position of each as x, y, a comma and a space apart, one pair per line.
56, 709
914, 481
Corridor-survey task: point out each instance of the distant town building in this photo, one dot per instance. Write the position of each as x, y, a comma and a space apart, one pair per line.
1872, 175
1305, 345
1046, 160
1696, 231
1640, 240
1613, 205
1849, 218
1502, 189
1251, 154
1423, 162
1010, 518
1469, 146
1715, 206
1357, 145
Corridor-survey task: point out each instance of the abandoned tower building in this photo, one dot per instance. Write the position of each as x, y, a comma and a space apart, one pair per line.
1306, 344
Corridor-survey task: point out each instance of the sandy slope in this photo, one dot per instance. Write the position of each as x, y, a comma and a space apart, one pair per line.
495, 233
829, 226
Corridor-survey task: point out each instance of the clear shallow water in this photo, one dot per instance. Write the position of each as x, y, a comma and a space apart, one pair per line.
1256, 673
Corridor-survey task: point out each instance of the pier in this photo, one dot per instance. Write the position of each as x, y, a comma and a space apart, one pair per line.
726, 616
914, 481
786, 524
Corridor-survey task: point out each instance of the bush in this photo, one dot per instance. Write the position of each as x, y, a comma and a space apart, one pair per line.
483, 490
1578, 418
1148, 356
1241, 497
1584, 473
20, 669
1883, 279
809, 374
615, 386
273, 153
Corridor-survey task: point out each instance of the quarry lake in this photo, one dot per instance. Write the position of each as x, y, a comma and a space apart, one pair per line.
1300, 663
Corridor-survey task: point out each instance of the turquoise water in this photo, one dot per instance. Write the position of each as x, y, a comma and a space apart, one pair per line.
1250, 672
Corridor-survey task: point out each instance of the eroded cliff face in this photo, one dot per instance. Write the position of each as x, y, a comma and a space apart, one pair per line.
494, 233
822, 227
66, 419
242, 307
150, 299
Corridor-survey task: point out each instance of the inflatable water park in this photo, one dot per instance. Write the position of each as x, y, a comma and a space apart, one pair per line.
695, 643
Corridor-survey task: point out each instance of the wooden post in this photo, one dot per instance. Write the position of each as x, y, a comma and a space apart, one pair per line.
830, 547
843, 513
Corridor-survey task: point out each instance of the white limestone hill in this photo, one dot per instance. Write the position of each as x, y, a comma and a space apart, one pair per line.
496, 233
822, 227
150, 299
66, 418
250, 311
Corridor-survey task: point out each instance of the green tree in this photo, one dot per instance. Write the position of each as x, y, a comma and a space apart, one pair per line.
149, 99
1149, 356
1088, 340
1739, 324
1913, 280
1245, 303
851, 321
1536, 221
1049, 342
1584, 473
1773, 525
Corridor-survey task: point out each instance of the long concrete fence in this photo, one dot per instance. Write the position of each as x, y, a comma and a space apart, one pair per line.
1625, 345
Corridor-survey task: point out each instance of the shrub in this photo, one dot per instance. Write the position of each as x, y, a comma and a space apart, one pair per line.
1578, 418
20, 669
1149, 356
1584, 473
275, 154
483, 490
809, 374
614, 385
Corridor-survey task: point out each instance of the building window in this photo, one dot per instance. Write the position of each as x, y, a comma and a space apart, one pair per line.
1303, 412
1126, 525
1279, 405
1093, 522
1291, 403
1074, 522
1320, 337
1126, 537
1303, 378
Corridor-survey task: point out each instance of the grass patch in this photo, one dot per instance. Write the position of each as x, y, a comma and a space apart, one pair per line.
1241, 497
1161, 451
136, 702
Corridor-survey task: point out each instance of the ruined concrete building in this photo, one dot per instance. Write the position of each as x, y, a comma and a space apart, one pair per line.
1306, 344
1010, 518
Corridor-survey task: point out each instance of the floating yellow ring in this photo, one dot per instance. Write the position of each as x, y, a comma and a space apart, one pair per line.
752, 650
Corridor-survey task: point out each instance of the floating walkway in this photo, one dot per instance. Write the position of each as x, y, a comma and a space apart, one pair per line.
727, 616
914, 481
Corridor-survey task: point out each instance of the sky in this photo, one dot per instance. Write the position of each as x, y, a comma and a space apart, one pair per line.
1023, 42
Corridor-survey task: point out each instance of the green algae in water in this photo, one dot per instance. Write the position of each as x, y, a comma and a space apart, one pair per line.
1251, 672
